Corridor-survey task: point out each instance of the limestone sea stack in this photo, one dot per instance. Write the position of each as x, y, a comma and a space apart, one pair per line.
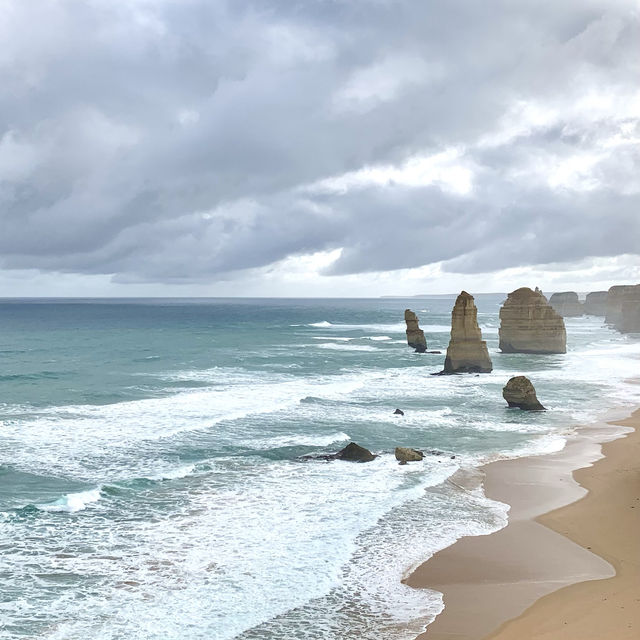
415, 335
615, 298
528, 324
595, 303
567, 304
520, 392
467, 351
630, 311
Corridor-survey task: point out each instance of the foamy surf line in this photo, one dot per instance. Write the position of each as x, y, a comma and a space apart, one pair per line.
72, 502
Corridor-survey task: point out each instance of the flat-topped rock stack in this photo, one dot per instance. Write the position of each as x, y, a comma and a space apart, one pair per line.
615, 298
630, 311
415, 335
595, 303
567, 304
467, 351
528, 324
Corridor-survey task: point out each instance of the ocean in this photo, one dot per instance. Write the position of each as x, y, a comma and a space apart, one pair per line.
151, 480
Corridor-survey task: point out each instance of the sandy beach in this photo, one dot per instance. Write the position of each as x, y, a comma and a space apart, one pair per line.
568, 563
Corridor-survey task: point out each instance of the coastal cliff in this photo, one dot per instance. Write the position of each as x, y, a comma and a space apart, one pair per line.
629, 321
528, 324
615, 297
567, 304
467, 351
415, 335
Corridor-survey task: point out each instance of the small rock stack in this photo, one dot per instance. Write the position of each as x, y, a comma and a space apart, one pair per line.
415, 335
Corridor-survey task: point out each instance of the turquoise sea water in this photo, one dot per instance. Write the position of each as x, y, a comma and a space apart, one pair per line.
150, 480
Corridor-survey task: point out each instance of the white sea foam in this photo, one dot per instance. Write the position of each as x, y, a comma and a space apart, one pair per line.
297, 439
72, 502
175, 473
346, 347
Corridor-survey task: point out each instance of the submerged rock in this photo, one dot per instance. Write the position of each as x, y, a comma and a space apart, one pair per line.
520, 392
595, 303
355, 453
467, 351
404, 455
528, 324
567, 304
415, 335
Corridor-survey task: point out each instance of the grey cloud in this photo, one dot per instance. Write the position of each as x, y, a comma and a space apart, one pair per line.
175, 141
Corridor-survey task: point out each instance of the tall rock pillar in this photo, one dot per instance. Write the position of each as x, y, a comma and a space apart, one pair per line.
415, 335
467, 351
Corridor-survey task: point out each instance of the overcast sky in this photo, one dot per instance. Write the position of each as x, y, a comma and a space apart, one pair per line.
318, 147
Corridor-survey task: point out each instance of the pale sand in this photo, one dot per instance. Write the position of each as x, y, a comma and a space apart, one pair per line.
487, 580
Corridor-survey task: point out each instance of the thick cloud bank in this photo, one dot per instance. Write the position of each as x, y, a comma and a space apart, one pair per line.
182, 141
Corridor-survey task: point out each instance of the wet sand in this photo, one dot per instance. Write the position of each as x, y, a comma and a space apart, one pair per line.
574, 558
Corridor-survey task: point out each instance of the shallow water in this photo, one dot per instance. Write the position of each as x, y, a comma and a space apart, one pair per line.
150, 481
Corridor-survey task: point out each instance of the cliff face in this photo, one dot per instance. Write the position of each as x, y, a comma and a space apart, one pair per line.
415, 335
630, 311
595, 303
528, 324
567, 304
615, 298
467, 351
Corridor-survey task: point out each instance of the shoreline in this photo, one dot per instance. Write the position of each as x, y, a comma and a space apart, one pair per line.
494, 586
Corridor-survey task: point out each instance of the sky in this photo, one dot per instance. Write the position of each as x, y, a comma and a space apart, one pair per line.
318, 147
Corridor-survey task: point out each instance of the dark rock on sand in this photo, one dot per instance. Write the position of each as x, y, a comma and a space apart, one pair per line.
519, 392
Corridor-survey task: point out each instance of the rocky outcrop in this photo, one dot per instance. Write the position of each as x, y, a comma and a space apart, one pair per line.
404, 455
519, 392
398, 412
467, 351
415, 335
355, 453
595, 303
528, 324
567, 304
